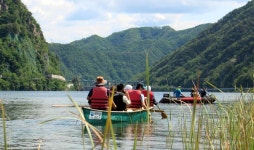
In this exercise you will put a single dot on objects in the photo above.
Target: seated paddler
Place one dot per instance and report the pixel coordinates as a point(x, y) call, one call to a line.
point(98, 95)
point(121, 99)
point(151, 96)
point(136, 96)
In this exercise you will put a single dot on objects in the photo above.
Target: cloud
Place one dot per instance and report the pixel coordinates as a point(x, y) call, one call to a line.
point(64, 21)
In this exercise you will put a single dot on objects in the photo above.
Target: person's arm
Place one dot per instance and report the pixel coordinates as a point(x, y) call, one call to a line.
point(155, 102)
point(126, 100)
point(126, 93)
point(113, 105)
point(108, 92)
point(206, 93)
point(90, 94)
point(143, 101)
point(174, 93)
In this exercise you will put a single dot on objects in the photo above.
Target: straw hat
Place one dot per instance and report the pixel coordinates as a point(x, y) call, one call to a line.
point(100, 81)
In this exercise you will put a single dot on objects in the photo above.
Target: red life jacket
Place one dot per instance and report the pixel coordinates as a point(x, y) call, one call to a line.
point(151, 96)
point(99, 98)
point(135, 96)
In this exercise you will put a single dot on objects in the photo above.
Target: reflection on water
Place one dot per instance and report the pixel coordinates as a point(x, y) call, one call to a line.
point(126, 134)
point(25, 111)
point(28, 109)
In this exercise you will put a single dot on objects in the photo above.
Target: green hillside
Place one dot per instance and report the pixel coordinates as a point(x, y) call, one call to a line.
point(120, 56)
point(222, 55)
point(25, 62)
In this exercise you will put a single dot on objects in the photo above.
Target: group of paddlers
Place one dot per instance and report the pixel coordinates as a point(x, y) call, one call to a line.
point(194, 92)
point(123, 96)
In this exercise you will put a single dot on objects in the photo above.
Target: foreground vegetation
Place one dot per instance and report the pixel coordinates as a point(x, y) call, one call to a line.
point(219, 127)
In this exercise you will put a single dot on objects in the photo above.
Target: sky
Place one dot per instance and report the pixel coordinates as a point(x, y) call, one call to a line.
point(64, 21)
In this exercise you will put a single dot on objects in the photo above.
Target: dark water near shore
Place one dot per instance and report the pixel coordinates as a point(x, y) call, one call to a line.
point(25, 111)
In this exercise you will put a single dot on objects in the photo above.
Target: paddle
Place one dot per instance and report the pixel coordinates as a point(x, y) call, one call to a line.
point(68, 105)
point(163, 114)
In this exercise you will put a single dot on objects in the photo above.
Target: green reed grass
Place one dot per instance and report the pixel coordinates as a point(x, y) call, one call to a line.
point(80, 117)
point(218, 126)
point(108, 132)
point(4, 124)
point(147, 80)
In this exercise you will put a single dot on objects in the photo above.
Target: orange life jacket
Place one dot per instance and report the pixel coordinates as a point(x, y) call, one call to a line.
point(135, 96)
point(99, 98)
point(151, 96)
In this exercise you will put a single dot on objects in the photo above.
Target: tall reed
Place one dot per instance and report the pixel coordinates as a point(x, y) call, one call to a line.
point(148, 91)
point(4, 124)
point(108, 132)
point(219, 126)
point(80, 117)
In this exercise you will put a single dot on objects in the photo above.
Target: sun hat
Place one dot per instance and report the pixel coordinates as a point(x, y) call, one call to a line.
point(128, 87)
point(147, 88)
point(100, 81)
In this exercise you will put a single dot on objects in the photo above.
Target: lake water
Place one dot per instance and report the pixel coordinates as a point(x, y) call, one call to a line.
point(26, 110)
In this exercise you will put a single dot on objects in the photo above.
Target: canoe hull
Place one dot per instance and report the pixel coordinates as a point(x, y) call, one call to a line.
point(95, 116)
point(206, 100)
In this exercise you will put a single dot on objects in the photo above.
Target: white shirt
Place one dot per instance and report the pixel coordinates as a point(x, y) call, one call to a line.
point(126, 100)
point(142, 98)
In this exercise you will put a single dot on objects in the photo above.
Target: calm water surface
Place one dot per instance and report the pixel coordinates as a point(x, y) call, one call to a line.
point(26, 110)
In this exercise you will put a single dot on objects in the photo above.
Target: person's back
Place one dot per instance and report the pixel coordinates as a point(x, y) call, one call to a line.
point(98, 95)
point(203, 92)
point(151, 96)
point(99, 98)
point(135, 96)
point(178, 92)
point(120, 99)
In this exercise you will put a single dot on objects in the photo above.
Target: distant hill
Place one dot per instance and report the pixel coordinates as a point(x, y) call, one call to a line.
point(222, 55)
point(121, 55)
point(25, 62)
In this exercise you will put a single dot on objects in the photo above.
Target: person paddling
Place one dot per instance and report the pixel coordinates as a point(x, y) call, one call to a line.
point(203, 92)
point(98, 95)
point(178, 92)
point(121, 98)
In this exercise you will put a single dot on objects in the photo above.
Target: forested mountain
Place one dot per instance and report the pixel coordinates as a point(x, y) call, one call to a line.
point(121, 55)
point(222, 55)
point(25, 61)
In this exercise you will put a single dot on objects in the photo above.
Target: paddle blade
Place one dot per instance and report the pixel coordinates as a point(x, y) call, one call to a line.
point(164, 115)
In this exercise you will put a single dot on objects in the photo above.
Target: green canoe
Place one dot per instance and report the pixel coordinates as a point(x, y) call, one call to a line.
point(95, 116)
